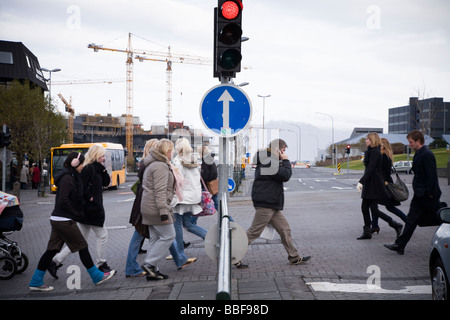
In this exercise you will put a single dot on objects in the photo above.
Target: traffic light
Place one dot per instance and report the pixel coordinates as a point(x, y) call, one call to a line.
point(348, 149)
point(5, 139)
point(227, 38)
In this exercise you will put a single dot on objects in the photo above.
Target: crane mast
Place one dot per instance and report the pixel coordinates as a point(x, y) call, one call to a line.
point(71, 112)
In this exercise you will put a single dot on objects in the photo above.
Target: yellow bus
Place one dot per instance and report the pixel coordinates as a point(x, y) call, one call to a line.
point(114, 160)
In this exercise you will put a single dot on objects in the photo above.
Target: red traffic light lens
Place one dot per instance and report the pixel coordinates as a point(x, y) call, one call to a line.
point(230, 10)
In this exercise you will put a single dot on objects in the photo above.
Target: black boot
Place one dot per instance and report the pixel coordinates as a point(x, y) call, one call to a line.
point(366, 234)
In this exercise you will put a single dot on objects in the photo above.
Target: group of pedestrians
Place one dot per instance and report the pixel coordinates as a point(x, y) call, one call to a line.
point(426, 199)
point(168, 203)
point(169, 193)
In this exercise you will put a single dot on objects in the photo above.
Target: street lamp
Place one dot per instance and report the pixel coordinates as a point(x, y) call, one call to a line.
point(333, 153)
point(299, 150)
point(50, 79)
point(264, 108)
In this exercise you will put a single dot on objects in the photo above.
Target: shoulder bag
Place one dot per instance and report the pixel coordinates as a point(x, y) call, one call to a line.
point(207, 203)
point(398, 189)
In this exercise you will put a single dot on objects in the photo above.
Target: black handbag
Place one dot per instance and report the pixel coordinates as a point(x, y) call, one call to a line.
point(398, 189)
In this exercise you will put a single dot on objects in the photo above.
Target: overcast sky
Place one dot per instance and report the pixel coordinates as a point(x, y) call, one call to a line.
point(351, 59)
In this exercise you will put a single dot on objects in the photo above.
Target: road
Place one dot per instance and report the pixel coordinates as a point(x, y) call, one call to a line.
point(324, 213)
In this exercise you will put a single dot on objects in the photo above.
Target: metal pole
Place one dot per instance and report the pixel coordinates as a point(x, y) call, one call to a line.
point(224, 263)
point(224, 269)
point(4, 164)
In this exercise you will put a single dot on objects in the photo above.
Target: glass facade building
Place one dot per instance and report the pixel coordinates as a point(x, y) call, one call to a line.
point(431, 116)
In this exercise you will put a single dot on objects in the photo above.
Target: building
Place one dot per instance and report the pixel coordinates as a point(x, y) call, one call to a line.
point(107, 128)
point(431, 116)
point(19, 63)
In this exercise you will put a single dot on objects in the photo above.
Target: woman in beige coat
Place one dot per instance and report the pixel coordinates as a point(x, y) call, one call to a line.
point(158, 185)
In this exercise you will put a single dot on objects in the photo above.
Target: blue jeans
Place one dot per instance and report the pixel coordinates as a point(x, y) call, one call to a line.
point(133, 268)
point(184, 220)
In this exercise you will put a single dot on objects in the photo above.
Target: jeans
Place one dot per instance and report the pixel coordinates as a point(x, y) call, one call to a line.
point(399, 213)
point(133, 268)
point(184, 220)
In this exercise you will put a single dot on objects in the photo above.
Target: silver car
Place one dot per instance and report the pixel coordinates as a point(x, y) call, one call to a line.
point(402, 166)
point(439, 262)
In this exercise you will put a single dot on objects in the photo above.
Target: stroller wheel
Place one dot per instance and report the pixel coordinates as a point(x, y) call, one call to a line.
point(8, 268)
point(21, 261)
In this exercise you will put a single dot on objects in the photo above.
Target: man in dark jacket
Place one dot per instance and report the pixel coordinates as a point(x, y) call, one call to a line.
point(427, 193)
point(272, 170)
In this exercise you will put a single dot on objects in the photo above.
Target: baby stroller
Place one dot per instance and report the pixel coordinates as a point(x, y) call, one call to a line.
point(12, 259)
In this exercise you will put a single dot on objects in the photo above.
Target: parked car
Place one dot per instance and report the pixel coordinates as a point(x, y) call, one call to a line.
point(402, 166)
point(439, 261)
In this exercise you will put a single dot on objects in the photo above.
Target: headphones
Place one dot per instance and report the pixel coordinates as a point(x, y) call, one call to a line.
point(76, 161)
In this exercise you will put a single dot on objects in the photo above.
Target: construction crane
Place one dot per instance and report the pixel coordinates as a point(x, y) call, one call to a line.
point(169, 59)
point(129, 92)
point(85, 81)
point(71, 112)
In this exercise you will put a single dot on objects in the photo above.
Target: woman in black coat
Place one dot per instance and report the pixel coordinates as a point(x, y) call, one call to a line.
point(372, 187)
point(386, 167)
point(94, 177)
point(68, 209)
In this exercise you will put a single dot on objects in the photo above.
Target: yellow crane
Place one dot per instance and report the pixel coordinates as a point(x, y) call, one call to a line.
point(129, 91)
point(167, 57)
point(71, 112)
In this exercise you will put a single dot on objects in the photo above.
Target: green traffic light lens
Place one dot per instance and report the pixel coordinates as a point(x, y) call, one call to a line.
point(230, 59)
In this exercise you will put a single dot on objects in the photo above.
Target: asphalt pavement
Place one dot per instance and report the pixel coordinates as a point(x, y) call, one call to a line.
point(324, 223)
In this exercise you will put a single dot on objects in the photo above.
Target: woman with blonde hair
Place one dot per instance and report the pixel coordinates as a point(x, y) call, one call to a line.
point(158, 183)
point(132, 268)
point(391, 205)
point(191, 192)
point(371, 185)
point(95, 178)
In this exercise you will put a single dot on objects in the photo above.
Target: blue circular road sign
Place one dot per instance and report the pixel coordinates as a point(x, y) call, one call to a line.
point(226, 110)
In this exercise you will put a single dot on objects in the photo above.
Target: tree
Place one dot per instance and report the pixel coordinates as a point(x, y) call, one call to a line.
point(35, 124)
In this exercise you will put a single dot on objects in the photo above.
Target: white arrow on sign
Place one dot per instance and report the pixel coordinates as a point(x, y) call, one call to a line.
point(226, 98)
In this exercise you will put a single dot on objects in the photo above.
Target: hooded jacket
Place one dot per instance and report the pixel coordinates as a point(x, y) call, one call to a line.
point(270, 174)
point(69, 195)
point(158, 186)
point(191, 190)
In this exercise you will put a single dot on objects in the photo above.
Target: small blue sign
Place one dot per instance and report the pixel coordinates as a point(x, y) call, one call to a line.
point(226, 110)
point(231, 184)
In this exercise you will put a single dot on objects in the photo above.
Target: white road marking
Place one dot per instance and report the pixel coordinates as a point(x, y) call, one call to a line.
point(364, 288)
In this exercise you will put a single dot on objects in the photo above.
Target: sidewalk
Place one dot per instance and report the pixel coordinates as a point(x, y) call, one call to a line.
point(319, 230)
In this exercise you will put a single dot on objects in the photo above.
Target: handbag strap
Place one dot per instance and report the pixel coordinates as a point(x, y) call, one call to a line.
point(206, 188)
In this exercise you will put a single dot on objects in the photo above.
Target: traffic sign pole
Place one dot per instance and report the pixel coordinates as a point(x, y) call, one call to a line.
point(223, 161)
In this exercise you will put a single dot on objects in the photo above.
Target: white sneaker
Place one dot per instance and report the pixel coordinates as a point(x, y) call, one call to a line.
point(42, 288)
point(106, 276)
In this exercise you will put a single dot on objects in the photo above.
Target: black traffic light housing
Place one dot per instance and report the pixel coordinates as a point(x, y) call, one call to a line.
point(348, 149)
point(5, 138)
point(227, 38)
